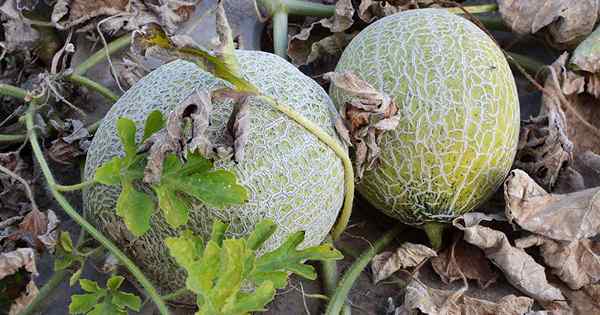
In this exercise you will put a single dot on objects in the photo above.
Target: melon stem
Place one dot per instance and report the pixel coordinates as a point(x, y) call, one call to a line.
point(85, 225)
point(435, 233)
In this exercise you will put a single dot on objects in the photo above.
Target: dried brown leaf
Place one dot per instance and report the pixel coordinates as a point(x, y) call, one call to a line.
point(576, 263)
point(239, 127)
point(172, 13)
point(585, 301)
point(406, 256)
point(588, 164)
point(27, 296)
point(80, 11)
point(369, 10)
point(463, 260)
point(564, 89)
point(441, 302)
point(567, 21)
point(176, 138)
point(520, 269)
point(20, 258)
point(367, 113)
point(567, 217)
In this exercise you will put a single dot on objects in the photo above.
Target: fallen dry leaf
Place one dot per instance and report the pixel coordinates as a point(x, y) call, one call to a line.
point(573, 93)
point(80, 11)
point(585, 301)
point(588, 164)
point(238, 126)
point(367, 114)
point(520, 269)
point(463, 260)
point(20, 258)
point(196, 108)
point(406, 256)
point(587, 54)
point(369, 10)
point(567, 217)
point(576, 263)
point(324, 37)
point(171, 13)
point(567, 21)
point(27, 296)
point(441, 302)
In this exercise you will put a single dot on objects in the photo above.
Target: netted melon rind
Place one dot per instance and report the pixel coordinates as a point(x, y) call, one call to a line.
point(459, 111)
point(292, 177)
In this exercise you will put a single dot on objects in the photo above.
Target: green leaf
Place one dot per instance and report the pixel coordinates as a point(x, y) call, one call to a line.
point(107, 308)
point(154, 123)
point(75, 277)
point(109, 173)
point(215, 188)
point(218, 273)
point(114, 282)
point(135, 208)
point(83, 303)
point(129, 300)
point(186, 248)
point(89, 286)
point(252, 302)
point(288, 258)
point(126, 131)
point(65, 241)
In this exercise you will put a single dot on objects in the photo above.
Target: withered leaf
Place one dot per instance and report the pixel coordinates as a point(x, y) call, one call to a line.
point(185, 131)
point(544, 148)
point(26, 297)
point(406, 256)
point(584, 301)
point(34, 223)
point(433, 301)
point(565, 217)
point(576, 263)
point(172, 13)
point(568, 21)
point(80, 11)
point(565, 89)
point(520, 269)
point(367, 113)
point(463, 260)
point(369, 10)
point(20, 258)
point(238, 126)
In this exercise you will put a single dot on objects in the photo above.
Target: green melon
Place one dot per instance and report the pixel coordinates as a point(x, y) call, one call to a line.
point(459, 114)
point(292, 177)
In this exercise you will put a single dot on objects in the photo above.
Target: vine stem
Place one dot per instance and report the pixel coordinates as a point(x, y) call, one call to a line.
point(91, 84)
point(339, 297)
point(473, 9)
point(98, 56)
point(12, 138)
point(130, 265)
point(344, 217)
point(54, 281)
point(73, 187)
point(10, 90)
point(280, 33)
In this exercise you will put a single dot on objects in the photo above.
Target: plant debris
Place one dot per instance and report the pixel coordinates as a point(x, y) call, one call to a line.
point(366, 116)
point(434, 301)
point(408, 255)
point(463, 260)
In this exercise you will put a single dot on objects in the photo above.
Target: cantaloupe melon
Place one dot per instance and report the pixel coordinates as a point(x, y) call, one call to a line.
point(292, 177)
point(458, 107)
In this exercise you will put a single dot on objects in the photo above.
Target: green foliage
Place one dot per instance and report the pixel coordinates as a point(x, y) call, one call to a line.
point(67, 256)
point(179, 184)
point(223, 271)
point(103, 301)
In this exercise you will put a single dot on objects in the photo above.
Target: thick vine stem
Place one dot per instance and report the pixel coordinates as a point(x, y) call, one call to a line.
point(7, 139)
point(339, 297)
point(54, 281)
point(435, 233)
point(10, 90)
point(91, 84)
point(74, 187)
point(296, 7)
point(280, 33)
point(62, 201)
point(101, 54)
point(344, 216)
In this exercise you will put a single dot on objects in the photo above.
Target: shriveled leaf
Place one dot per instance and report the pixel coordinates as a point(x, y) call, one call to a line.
point(316, 42)
point(239, 127)
point(367, 113)
point(79, 11)
point(577, 263)
point(20, 258)
point(568, 21)
point(369, 10)
point(171, 14)
point(587, 54)
point(135, 208)
point(463, 260)
point(567, 217)
point(406, 256)
point(26, 297)
point(584, 301)
point(38, 229)
point(433, 301)
point(520, 269)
